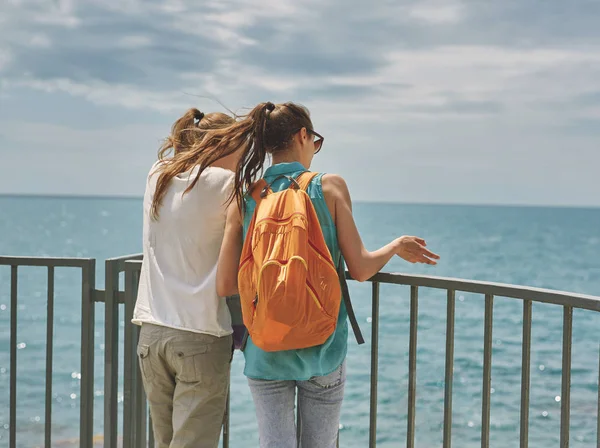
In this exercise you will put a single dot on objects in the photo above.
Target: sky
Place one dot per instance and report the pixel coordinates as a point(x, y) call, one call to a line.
point(435, 101)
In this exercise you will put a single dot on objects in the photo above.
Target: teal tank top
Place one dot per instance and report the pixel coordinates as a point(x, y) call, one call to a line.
point(302, 364)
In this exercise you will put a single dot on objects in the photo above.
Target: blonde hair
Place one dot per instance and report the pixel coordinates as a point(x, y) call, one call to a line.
point(186, 133)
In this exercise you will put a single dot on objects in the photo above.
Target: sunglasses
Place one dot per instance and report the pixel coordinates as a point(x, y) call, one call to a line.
point(318, 140)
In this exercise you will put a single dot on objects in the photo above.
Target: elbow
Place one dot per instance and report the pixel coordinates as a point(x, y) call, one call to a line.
point(358, 275)
point(226, 288)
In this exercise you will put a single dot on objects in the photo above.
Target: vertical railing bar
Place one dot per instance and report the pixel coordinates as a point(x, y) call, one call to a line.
point(139, 398)
point(598, 409)
point(88, 307)
point(12, 438)
point(487, 371)
point(139, 408)
point(525, 374)
point(226, 421)
point(143, 431)
point(449, 372)
point(565, 399)
point(151, 430)
point(374, 364)
point(412, 366)
point(129, 363)
point(111, 354)
point(298, 422)
point(49, 356)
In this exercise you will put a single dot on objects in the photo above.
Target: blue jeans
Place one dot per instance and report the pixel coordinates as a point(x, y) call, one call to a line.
point(319, 408)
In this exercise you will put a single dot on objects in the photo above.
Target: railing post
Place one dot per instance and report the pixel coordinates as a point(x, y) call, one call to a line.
point(449, 373)
point(12, 437)
point(87, 354)
point(226, 420)
point(49, 356)
point(487, 371)
point(525, 373)
point(130, 365)
point(374, 365)
point(111, 354)
point(598, 408)
point(412, 366)
point(565, 399)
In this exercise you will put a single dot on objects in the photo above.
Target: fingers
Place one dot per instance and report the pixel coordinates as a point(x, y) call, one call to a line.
point(421, 259)
point(415, 252)
point(427, 257)
point(430, 254)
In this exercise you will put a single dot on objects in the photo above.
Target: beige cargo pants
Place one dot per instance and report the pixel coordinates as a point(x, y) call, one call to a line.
point(186, 380)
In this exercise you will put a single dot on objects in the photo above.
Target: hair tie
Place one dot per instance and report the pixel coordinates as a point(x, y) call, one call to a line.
point(198, 115)
point(270, 106)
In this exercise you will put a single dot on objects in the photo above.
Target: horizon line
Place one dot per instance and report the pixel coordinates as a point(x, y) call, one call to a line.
point(384, 202)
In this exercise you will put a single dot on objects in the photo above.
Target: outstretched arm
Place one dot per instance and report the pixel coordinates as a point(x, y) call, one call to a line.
point(363, 264)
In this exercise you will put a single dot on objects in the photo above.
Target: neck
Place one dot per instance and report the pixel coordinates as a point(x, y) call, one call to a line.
point(287, 157)
point(228, 163)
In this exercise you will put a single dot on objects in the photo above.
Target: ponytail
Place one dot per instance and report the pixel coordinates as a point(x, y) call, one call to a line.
point(265, 129)
point(186, 132)
point(182, 133)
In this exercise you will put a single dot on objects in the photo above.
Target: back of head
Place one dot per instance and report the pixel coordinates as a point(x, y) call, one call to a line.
point(186, 134)
point(188, 130)
point(266, 129)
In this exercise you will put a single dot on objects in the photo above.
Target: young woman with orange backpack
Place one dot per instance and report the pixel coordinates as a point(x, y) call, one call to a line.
point(286, 238)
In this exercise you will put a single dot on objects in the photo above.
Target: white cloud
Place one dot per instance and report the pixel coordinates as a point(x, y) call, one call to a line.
point(459, 81)
point(134, 42)
point(442, 84)
point(40, 41)
point(103, 93)
point(5, 58)
point(437, 12)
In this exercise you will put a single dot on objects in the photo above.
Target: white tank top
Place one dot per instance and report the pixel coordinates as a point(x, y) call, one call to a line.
point(177, 286)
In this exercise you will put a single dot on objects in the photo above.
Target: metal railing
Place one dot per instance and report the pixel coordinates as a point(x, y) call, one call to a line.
point(113, 298)
point(567, 300)
point(88, 296)
point(136, 422)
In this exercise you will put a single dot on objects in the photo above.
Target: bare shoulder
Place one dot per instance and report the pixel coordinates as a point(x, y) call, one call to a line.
point(234, 214)
point(334, 185)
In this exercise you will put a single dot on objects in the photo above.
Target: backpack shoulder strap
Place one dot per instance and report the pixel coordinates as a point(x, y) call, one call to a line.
point(305, 178)
point(256, 189)
point(346, 297)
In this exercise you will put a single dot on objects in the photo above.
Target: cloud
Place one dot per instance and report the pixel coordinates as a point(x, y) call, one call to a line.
point(5, 58)
point(436, 12)
point(146, 54)
point(403, 78)
point(134, 42)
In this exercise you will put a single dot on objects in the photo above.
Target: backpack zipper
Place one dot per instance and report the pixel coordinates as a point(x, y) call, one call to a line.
point(255, 303)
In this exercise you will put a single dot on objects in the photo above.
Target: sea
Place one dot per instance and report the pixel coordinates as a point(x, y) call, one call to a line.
point(556, 248)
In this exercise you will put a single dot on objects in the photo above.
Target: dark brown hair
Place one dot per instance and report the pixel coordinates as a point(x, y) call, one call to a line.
point(266, 129)
point(186, 132)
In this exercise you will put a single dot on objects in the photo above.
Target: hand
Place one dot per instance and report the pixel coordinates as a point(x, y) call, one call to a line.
point(413, 250)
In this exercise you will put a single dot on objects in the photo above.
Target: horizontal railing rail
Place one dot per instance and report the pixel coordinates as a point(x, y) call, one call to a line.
point(583, 301)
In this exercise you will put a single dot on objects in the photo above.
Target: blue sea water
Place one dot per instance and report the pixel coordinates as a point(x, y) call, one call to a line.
point(545, 247)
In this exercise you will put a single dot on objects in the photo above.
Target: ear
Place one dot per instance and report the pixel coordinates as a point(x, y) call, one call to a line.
point(303, 135)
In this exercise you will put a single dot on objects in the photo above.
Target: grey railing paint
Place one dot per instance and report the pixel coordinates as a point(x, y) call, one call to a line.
point(112, 299)
point(137, 422)
point(88, 283)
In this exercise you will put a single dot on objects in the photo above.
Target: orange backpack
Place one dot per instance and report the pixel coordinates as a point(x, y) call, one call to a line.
point(289, 286)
